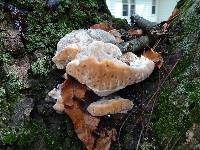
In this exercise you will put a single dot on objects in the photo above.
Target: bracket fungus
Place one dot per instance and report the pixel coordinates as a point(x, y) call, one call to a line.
point(56, 94)
point(91, 57)
point(100, 68)
point(70, 45)
point(110, 106)
point(70, 96)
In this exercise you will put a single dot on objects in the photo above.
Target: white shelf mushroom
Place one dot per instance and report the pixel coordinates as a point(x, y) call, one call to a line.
point(99, 67)
point(71, 44)
point(110, 106)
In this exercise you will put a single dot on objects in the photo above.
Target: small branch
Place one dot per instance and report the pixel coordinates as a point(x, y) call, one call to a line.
point(134, 45)
point(140, 137)
point(162, 83)
point(133, 111)
point(142, 23)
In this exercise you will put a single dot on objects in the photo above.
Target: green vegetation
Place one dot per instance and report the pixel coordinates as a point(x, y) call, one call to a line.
point(10, 86)
point(29, 134)
point(179, 107)
point(41, 67)
point(45, 26)
point(119, 23)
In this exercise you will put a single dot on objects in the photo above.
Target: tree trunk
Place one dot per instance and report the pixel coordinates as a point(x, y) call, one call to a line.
point(27, 119)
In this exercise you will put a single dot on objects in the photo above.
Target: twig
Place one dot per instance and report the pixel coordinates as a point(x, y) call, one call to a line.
point(156, 44)
point(168, 144)
point(162, 83)
point(154, 102)
point(139, 140)
point(124, 124)
point(175, 142)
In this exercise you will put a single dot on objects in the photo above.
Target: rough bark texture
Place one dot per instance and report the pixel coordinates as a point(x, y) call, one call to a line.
point(135, 45)
point(178, 105)
point(142, 23)
point(28, 41)
point(29, 32)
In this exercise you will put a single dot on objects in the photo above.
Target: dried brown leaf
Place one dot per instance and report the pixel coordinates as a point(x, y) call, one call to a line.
point(135, 33)
point(117, 35)
point(67, 92)
point(102, 26)
point(155, 57)
point(72, 89)
point(175, 13)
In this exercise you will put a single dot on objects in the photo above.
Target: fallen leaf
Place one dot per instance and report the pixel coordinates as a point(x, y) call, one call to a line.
point(174, 14)
point(67, 92)
point(105, 139)
point(135, 33)
point(84, 124)
point(154, 56)
point(117, 35)
point(102, 26)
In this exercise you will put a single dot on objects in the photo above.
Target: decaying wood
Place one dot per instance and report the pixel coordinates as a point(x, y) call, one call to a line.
point(135, 44)
point(142, 23)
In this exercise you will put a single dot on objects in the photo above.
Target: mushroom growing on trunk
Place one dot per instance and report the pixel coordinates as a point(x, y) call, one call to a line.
point(99, 67)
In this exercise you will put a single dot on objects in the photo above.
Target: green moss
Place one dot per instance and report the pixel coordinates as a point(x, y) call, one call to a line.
point(9, 93)
point(5, 58)
point(8, 136)
point(178, 108)
point(13, 86)
point(179, 104)
point(41, 67)
point(31, 133)
point(44, 29)
point(119, 23)
point(146, 145)
point(46, 26)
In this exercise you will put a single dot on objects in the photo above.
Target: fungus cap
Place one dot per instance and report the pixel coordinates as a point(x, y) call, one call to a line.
point(105, 73)
point(71, 44)
point(56, 94)
point(113, 106)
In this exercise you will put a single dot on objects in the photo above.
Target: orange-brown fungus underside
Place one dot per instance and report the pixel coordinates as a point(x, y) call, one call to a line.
point(84, 124)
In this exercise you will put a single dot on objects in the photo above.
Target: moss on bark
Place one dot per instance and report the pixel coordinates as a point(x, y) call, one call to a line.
point(179, 102)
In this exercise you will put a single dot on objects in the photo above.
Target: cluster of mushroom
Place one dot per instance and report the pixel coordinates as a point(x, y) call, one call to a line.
point(91, 57)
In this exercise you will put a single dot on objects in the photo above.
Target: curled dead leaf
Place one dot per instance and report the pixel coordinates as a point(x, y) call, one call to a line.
point(102, 26)
point(175, 13)
point(117, 35)
point(154, 56)
point(71, 89)
point(135, 33)
point(67, 92)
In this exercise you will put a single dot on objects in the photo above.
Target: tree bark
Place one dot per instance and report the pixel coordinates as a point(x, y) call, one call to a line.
point(142, 23)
